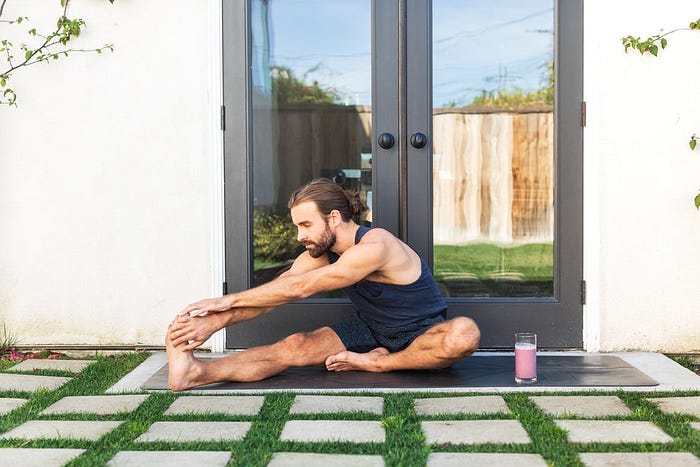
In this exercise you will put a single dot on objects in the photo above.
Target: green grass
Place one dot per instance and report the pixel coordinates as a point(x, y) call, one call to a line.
point(405, 444)
point(535, 261)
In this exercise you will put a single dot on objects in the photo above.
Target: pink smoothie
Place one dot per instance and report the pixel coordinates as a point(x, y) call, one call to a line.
point(526, 362)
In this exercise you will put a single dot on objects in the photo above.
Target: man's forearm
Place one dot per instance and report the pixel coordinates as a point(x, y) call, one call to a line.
point(277, 292)
point(239, 315)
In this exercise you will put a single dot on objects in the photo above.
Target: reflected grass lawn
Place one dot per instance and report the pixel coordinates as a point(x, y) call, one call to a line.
point(530, 262)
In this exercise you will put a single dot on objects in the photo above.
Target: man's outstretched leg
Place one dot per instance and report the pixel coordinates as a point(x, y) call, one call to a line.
point(186, 371)
point(439, 347)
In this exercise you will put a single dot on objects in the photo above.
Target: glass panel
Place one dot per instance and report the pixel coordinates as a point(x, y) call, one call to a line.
point(311, 74)
point(493, 144)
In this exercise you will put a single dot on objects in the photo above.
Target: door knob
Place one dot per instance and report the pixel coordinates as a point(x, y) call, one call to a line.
point(385, 140)
point(419, 140)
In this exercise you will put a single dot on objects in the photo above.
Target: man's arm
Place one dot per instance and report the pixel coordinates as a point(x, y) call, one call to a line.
point(354, 264)
point(302, 281)
point(304, 262)
point(199, 320)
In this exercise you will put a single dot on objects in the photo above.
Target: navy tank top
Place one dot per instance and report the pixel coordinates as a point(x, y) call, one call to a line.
point(392, 304)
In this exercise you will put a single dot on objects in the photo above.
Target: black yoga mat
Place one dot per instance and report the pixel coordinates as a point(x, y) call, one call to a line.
point(477, 371)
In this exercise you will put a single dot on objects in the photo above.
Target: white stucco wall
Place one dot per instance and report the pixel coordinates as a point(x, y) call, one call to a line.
point(106, 212)
point(642, 231)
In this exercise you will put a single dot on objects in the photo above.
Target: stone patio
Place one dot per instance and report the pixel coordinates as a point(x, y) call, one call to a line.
point(583, 406)
point(61, 429)
point(474, 432)
point(98, 405)
point(440, 424)
point(227, 405)
point(182, 432)
point(680, 405)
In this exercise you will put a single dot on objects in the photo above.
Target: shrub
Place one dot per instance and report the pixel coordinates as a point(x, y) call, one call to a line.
point(274, 237)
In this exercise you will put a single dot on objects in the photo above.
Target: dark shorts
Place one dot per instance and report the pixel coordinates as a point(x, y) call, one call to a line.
point(363, 334)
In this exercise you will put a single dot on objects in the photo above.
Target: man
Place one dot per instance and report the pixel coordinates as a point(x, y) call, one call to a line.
point(399, 321)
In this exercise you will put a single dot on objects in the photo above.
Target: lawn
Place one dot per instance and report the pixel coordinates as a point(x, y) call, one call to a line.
point(405, 444)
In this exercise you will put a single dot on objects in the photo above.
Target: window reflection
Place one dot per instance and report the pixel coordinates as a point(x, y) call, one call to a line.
point(493, 147)
point(311, 73)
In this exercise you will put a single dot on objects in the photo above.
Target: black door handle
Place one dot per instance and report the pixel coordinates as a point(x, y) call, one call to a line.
point(419, 140)
point(386, 141)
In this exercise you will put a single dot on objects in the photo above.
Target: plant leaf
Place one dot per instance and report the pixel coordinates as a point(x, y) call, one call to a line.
point(664, 43)
point(697, 201)
point(693, 142)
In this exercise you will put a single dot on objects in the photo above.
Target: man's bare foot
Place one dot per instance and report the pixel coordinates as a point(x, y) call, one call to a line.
point(348, 361)
point(183, 368)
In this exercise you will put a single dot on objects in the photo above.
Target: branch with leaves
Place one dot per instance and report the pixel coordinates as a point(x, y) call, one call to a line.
point(46, 47)
point(651, 45)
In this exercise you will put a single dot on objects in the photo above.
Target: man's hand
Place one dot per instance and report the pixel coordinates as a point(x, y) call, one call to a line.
point(192, 332)
point(207, 306)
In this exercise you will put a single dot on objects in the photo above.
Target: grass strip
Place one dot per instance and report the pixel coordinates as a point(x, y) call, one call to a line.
point(405, 442)
point(547, 438)
point(263, 437)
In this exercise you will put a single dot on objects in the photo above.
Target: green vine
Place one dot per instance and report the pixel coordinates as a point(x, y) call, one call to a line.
point(45, 47)
point(651, 45)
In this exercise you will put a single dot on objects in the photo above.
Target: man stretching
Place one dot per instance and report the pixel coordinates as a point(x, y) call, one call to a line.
point(399, 321)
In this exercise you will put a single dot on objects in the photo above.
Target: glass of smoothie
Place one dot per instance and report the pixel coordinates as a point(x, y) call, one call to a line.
point(525, 358)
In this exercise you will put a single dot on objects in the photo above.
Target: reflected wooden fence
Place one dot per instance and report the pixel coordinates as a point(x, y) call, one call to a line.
point(493, 176)
point(493, 172)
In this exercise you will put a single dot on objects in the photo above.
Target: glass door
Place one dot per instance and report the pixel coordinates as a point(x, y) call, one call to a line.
point(505, 153)
point(299, 74)
point(447, 116)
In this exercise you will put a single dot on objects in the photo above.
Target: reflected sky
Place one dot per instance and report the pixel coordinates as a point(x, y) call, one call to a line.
point(478, 45)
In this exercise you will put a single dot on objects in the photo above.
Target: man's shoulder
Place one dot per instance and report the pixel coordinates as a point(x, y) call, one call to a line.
point(376, 234)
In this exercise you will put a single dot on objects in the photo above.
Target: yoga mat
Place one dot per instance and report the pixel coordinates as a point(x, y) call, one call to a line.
point(477, 371)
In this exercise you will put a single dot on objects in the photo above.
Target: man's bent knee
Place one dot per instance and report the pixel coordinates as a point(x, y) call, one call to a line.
point(310, 348)
point(296, 345)
point(462, 337)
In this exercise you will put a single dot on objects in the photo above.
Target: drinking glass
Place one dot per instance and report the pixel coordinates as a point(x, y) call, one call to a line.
point(525, 358)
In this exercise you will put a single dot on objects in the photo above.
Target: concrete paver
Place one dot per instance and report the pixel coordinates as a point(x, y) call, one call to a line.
point(8, 404)
point(474, 432)
point(295, 459)
point(460, 405)
point(333, 430)
point(227, 405)
point(681, 405)
point(337, 404)
point(36, 457)
point(99, 405)
point(74, 366)
point(170, 459)
point(30, 383)
point(646, 459)
point(61, 429)
point(584, 406)
point(460, 459)
point(182, 432)
point(604, 431)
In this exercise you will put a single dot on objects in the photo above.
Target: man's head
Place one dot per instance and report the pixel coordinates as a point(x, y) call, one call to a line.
point(317, 209)
point(328, 197)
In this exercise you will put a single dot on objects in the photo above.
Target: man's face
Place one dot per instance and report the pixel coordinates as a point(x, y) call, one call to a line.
point(314, 232)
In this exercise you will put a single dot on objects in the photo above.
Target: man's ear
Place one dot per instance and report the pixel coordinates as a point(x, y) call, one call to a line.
point(336, 216)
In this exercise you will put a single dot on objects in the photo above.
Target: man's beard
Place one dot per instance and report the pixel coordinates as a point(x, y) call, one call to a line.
point(323, 245)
